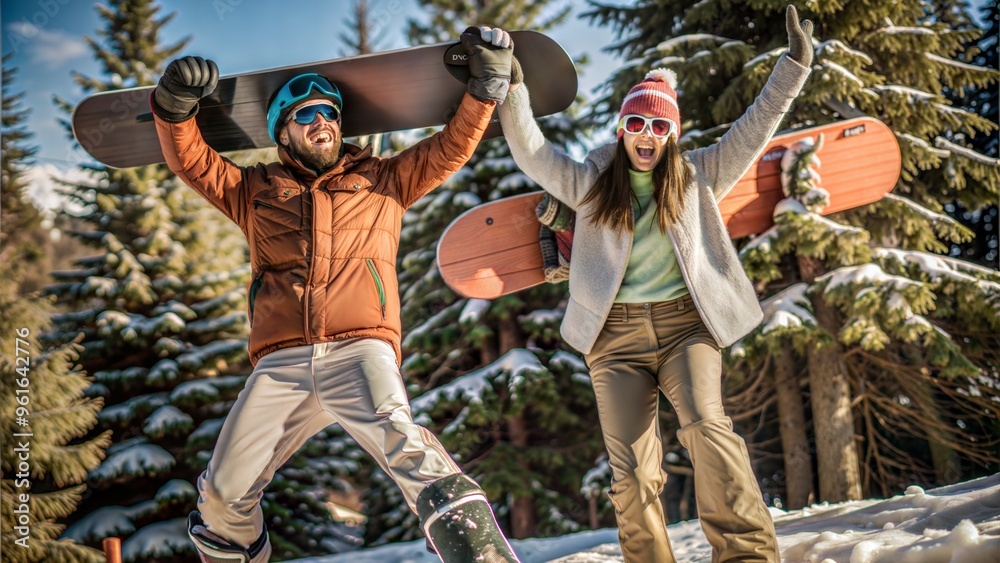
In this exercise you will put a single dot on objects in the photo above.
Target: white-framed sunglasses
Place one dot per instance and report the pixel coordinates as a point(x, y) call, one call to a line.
point(659, 127)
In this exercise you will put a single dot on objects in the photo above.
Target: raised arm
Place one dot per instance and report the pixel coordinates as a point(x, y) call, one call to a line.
point(424, 166)
point(175, 103)
point(566, 179)
point(724, 163)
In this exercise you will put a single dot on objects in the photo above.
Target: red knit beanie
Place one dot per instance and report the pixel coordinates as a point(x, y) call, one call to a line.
point(655, 96)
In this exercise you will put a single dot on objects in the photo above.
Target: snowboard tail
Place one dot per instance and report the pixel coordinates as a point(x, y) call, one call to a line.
point(493, 249)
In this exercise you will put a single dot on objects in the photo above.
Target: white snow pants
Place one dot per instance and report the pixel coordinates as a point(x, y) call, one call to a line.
point(291, 395)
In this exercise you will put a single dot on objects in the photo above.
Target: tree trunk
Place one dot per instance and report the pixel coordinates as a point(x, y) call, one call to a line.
point(595, 521)
point(830, 393)
point(523, 512)
point(946, 464)
point(510, 336)
point(794, 440)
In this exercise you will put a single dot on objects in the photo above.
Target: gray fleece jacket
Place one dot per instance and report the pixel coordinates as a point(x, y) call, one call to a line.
point(719, 287)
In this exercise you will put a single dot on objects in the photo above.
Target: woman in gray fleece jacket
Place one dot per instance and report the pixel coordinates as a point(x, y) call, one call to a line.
point(656, 290)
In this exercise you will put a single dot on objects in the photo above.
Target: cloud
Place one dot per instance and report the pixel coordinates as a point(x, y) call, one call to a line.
point(49, 47)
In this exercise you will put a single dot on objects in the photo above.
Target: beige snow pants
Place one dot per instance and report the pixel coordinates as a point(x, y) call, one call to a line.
point(292, 394)
point(645, 349)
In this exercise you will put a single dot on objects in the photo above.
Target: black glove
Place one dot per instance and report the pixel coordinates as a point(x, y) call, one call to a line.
point(800, 47)
point(185, 81)
point(490, 53)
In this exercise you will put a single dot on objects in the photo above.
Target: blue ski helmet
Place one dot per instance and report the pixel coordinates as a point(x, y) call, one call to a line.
point(302, 87)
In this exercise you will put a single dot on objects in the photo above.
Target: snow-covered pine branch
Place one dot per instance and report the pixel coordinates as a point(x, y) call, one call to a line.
point(931, 216)
point(789, 308)
point(835, 46)
point(965, 152)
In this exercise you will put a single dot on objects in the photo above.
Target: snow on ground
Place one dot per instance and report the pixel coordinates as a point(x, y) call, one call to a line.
point(954, 524)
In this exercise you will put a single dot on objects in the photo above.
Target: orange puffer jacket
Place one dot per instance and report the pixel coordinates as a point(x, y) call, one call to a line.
point(323, 250)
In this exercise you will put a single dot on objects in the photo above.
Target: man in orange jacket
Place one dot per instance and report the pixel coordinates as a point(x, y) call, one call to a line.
point(323, 227)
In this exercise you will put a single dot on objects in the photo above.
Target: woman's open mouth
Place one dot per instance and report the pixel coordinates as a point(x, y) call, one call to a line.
point(645, 152)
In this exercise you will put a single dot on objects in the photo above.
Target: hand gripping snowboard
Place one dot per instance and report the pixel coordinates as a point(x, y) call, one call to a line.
point(493, 250)
point(391, 91)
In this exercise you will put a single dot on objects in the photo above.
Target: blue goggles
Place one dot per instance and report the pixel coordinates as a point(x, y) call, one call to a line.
point(296, 90)
point(306, 115)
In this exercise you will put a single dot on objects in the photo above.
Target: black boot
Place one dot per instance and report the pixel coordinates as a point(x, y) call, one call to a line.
point(213, 549)
point(458, 521)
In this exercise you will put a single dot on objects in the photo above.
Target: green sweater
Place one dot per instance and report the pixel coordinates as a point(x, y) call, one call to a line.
point(652, 273)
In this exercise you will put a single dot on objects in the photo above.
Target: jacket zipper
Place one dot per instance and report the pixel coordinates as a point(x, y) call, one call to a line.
point(378, 285)
point(306, 298)
point(258, 203)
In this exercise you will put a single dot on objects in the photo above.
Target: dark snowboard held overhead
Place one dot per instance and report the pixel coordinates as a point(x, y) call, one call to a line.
point(382, 92)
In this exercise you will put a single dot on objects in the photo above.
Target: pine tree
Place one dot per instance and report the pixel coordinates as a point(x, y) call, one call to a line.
point(44, 461)
point(17, 214)
point(158, 311)
point(524, 417)
point(881, 331)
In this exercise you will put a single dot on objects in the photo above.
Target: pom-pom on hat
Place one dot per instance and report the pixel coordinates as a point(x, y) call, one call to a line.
point(656, 95)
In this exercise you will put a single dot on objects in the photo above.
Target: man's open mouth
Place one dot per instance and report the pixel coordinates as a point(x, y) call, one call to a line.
point(321, 138)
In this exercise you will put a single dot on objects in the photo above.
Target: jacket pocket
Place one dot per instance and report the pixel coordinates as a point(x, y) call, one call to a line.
point(252, 295)
point(277, 211)
point(378, 285)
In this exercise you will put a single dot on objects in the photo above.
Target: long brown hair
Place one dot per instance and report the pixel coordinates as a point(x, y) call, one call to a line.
point(612, 193)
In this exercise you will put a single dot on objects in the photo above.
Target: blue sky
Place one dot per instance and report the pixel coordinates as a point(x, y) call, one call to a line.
point(47, 37)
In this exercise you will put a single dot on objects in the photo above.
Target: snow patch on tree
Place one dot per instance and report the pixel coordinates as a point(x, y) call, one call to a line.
point(161, 539)
point(543, 317)
point(165, 419)
point(200, 356)
point(176, 490)
point(965, 152)
point(205, 388)
point(564, 360)
point(835, 46)
point(473, 311)
point(133, 459)
point(514, 181)
point(792, 205)
point(913, 95)
point(930, 216)
point(922, 144)
point(762, 241)
point(471, 386)
point(767, 55)
point(841, 71)
point(867, 274)
point(105, 522)
point(209, 429)
point(693, 38)
point(466, 200)
point(788, 308)
point(126, 410)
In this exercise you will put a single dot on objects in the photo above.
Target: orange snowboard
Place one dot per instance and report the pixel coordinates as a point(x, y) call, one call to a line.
point(492, 249)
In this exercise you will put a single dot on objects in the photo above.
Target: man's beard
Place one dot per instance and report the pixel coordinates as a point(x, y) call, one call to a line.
point(317, 159)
